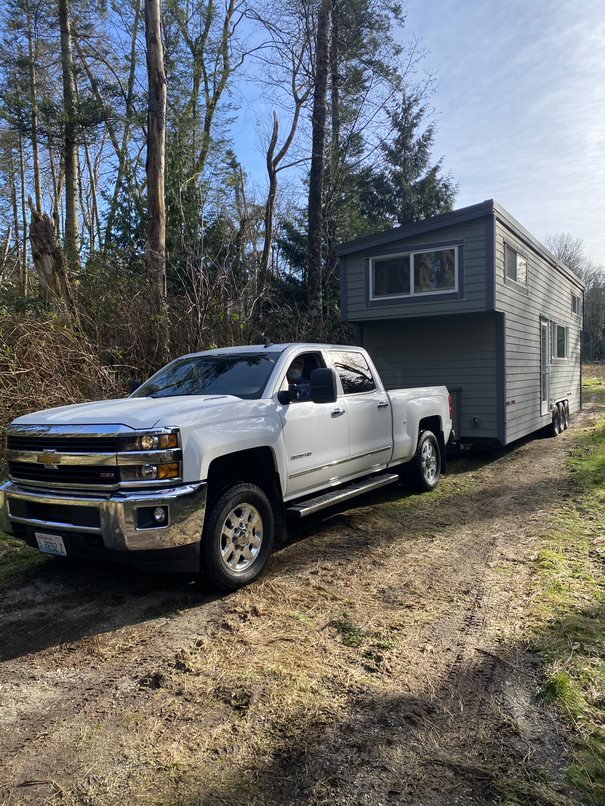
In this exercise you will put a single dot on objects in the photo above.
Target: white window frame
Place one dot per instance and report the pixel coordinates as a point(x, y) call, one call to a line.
point(555, 341)
point(578, 300)
point(507, 278)
point(413, 293)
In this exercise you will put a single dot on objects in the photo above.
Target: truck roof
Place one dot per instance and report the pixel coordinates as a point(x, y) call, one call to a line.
point(274, 348)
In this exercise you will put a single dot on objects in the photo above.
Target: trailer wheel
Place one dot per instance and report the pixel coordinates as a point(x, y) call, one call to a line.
point(238, 536)
point(555, 428)
point(562, 425)
point(566, 417)
point(426, 464)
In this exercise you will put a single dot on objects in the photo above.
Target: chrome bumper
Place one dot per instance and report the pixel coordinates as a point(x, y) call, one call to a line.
point(117, 515)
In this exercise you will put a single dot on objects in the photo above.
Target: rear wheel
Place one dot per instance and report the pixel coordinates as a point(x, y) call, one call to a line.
point(238, 536)
point(426, 465)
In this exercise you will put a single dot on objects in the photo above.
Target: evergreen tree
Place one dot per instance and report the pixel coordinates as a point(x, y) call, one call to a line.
point(408, 186)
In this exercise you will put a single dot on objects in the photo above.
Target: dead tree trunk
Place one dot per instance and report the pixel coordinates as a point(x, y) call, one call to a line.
point(49, 261)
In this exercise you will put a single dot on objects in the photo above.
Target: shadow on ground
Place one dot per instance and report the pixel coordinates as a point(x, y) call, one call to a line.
point(62, 601)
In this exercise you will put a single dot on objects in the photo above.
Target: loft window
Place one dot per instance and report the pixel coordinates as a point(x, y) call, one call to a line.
point(411, 274)
point(560, 341)
point(515, 265)
point(576, 304)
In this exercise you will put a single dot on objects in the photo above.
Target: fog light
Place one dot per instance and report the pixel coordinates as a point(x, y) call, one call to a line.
point(149, 472)
point(159, 514)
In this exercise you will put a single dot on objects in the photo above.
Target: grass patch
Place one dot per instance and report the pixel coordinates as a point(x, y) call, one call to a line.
point(16, 558)
point(351, 634)
point(569, 609)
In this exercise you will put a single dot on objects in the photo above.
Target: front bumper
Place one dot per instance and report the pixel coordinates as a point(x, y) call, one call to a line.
point(109, 525)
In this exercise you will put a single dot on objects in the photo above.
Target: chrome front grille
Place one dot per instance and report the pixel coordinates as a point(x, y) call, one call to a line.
point(64, 444)
point(102, 458)
point(75, 475)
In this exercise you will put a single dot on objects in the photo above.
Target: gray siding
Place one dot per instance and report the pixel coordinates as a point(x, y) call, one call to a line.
point(547, 295)
point(458, 351)
point(483, 342)
point(476, 238)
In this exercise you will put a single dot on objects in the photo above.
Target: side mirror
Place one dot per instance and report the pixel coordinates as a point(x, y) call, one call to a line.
point(323, 386)
point(284, 397)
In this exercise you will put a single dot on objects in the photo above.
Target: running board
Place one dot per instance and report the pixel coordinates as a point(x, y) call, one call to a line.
point(337, 496)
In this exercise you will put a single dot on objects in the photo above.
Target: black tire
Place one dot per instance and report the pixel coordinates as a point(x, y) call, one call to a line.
point(238, 537)
point(555, 427)
point(426, 464)
point(562, 420)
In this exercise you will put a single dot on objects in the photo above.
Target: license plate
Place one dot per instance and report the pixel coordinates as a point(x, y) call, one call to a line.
point(51, 544)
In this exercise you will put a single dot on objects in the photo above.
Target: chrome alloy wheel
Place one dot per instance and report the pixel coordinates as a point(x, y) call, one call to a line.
point(241, 537)
point(428, 461)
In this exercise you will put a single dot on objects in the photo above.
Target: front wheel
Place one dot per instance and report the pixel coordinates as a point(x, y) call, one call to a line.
point(426, 465)
point(238, 536)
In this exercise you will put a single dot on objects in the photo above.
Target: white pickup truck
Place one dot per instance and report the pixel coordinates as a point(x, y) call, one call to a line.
point(201, 466)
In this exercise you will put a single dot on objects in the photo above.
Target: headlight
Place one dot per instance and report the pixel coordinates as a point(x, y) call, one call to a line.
point(151, 457)
point(153, 442)
point(147, 442)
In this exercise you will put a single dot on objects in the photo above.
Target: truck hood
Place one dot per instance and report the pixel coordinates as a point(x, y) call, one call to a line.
point(138, 412)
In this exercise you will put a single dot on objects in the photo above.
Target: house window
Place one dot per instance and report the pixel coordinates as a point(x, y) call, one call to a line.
point(560, 341)
point(354, 372)
point(515, 265)
point(433, 271)
point(576, 304)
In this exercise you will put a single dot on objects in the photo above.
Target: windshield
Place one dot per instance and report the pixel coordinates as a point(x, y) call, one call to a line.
point(244, 375)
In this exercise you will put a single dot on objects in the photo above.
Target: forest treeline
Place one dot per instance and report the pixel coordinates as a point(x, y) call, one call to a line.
point(132, 229)
point(150, 262)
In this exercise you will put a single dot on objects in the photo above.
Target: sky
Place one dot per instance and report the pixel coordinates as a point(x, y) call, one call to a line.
point(520, 107)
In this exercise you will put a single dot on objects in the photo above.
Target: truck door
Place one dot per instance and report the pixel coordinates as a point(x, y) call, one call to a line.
point(316, 438)
point(368, 410)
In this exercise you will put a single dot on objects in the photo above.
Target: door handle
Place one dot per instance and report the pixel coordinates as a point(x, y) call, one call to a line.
point(337, 412)
point(383, 404)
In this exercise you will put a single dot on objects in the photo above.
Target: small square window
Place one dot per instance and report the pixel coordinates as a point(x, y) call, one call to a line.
point(515, 265)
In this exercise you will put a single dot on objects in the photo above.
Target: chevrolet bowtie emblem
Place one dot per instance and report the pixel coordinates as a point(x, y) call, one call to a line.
point(50, 459)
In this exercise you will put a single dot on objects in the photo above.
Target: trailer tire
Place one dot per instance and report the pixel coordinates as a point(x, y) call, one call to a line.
point(238, 537)
point(566, 417)
point(425, 470)
point(555, 427)
point(562, 425)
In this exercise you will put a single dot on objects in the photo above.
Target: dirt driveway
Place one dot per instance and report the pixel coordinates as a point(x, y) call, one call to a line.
point(382, 659)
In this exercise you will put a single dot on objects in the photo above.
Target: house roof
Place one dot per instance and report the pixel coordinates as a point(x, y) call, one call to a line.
point(485, 208)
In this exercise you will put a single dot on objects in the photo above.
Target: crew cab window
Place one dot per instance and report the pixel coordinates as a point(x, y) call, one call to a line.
point(354, 372)
point(243, 375)
point(298, 375)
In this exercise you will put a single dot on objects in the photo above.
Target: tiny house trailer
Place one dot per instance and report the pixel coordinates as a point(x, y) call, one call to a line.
point(472, 300)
